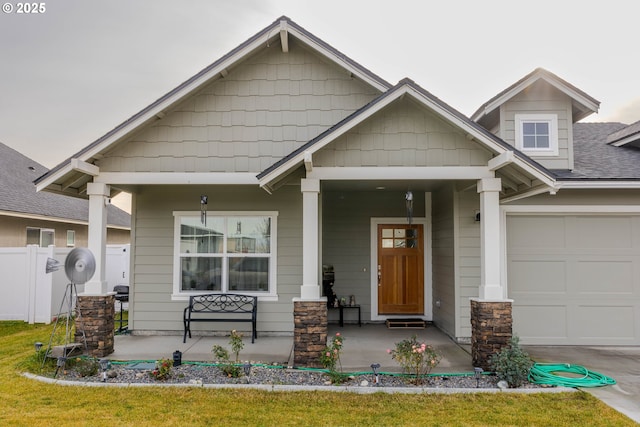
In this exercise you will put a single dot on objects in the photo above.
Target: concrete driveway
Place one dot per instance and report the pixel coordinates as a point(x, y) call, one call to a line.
point(620, 363)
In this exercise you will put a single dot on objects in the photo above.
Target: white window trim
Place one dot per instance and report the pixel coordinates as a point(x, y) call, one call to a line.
point(552, 119)
point(272, 295)
point(44, 230)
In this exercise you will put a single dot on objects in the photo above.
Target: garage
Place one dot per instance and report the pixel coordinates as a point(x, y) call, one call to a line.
point(574, 279)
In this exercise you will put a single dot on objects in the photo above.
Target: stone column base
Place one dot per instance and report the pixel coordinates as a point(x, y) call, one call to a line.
point(310, 332)
point(491, 329)
point(97, 313)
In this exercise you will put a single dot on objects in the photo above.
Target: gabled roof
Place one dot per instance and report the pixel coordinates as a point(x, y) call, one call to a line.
point(18, 195)
point(279, 30)
point(583, 104)
point(629, 135)
point(405, 87)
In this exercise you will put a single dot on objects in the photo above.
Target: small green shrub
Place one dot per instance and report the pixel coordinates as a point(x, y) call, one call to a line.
point(512, 363)
point(330, 358)
point(415, 358)
point(221, 355)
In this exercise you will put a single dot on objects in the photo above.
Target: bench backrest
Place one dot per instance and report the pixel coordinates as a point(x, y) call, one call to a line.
point(223, 303)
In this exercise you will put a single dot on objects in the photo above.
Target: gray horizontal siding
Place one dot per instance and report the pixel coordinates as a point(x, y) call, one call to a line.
point(467, 257)
point(443, 260)
point(346, 239)
point(541, 98)
point(152, 309)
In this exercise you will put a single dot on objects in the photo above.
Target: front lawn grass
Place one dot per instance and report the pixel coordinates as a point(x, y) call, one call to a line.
point(29, 402)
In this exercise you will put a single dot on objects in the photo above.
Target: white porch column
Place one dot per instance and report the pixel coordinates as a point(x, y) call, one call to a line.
point(490, 285)
point(98, 201)
point(310, 287)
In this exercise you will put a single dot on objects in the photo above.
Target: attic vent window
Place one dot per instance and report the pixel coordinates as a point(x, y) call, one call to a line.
point(537, 134)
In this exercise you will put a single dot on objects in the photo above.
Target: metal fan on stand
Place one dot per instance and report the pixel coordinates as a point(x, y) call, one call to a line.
point(79, 266)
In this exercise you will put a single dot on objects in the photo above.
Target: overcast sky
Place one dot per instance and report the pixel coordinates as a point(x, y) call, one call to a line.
point(72, 73)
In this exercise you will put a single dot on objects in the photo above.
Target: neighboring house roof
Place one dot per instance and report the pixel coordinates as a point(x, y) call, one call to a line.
point(280, 29)
point(594, 159)
point(583, 104)
point(18, 196)
point(629, 135)
point(410, 88)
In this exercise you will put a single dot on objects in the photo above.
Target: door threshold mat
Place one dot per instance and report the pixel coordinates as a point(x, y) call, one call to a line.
point(406, 323)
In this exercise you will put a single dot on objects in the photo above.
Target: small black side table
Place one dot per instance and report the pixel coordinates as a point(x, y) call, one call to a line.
point(345, 307)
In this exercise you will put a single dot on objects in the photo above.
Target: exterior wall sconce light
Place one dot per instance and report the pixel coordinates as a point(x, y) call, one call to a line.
point(203, 209)
point(476, 216)
point(374, 368)
point(408, 198)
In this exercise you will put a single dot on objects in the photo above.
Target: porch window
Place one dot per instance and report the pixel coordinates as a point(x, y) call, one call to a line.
point(537, 134)
point(232, 252)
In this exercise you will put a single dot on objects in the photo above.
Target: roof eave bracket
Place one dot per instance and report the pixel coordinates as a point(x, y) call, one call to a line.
point(501, 160)
point(84, 167)
point(284, 36)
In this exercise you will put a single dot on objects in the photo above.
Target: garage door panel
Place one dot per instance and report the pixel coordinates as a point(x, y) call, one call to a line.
point(604, 323)
point(550, 232)
point(574, 279)
point(604, 277)
point(540, 322)
point(535, 276)
point(599, 232)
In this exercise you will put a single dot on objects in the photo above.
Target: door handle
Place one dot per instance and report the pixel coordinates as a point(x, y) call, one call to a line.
point(379, 274)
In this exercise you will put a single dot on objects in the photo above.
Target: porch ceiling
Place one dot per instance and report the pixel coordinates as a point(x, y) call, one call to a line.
point(390, 185)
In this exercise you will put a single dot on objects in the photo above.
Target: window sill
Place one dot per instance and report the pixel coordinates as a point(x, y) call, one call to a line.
point(540, 153)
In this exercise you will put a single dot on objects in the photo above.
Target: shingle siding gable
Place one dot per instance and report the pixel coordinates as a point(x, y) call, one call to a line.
point(265, 108)
point(403, 135)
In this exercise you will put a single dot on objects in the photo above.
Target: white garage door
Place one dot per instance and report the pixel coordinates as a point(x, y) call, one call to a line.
point(574, 279)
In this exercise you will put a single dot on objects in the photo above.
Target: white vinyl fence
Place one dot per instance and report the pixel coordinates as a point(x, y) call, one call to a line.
point(28, 293)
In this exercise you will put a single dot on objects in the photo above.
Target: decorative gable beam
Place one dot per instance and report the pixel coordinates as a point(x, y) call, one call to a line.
point(284, 36)
point(501, 160)
point(84, 167)
point(308, 161)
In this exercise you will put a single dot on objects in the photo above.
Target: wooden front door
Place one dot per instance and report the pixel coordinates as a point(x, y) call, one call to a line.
point(400, 269)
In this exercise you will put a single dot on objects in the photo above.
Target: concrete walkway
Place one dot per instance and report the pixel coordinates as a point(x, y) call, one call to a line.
point(363, 346)
point(619, 363)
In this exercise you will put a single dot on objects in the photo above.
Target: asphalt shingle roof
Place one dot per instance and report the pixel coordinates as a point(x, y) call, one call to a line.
point(595, 159)
point(18, 193)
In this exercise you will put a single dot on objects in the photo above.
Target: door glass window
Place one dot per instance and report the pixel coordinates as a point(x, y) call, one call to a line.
point(402, 238)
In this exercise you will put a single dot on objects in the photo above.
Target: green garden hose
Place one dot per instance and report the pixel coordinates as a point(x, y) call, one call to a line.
point(546, 373)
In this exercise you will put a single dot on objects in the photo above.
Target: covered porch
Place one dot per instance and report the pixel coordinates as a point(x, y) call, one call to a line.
point(363, 346)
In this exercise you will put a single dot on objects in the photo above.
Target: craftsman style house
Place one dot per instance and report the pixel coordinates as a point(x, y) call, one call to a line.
point(285, 156)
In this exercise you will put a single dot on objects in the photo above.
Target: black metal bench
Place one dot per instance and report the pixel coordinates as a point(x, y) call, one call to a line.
point(207, 307)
